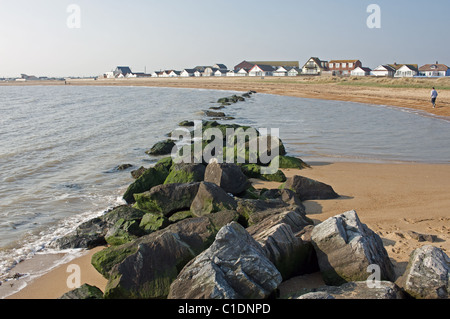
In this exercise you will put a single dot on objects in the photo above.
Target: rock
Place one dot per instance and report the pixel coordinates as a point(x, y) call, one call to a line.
point(291, 162)
point(186, 173)
point(286, 195)
point(152, 222)
point(254, 171)
point(186, 124)
point(210, 198)
point(234, 267)
point(214, 114)
point(123, 167)
point(138, 172)
point(150, 178)
point(346, 248)
point(178, 216)
point(119, 224)
point(309, 189)
point(162, 148)
point(227, 176)
point(356, 290)
point(167, 199)
point(422, 237)
point(286, 251)
point(427, 275)
point(84, 292)
point(146, 267)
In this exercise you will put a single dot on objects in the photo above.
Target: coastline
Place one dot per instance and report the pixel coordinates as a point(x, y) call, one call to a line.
point(390, 198)
point(405, 93)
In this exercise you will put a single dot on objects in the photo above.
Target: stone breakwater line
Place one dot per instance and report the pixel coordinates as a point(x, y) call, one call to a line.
point(202, 231)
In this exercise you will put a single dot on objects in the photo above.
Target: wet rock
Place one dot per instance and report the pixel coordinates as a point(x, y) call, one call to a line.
point(210, 198)
point(186, 173)
point(161, 148)
point(227, 176)
point(309, 189)
point(84, 292)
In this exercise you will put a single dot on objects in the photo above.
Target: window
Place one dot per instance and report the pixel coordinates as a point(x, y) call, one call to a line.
point(331, 65)
point(344, 65)
point(350, 65)
point(338, 65)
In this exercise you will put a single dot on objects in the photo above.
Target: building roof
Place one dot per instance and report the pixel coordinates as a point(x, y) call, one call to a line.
point(220, 66)
point(318, 61)
point(433, 67)
point(265, 67)
point(397, 66)
point(364, 68)
point(123, 70)
point(343, 61)
point(276, 63)
point(387, 67)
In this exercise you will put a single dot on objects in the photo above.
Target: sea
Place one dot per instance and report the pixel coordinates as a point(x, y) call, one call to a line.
point(61, 146)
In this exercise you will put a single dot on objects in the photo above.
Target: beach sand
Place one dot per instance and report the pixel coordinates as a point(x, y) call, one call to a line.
point(391, 199)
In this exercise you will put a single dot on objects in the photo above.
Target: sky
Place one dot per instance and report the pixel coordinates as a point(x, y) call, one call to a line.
point(44, 38)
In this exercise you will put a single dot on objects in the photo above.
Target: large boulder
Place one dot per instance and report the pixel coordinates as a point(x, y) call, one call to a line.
point(427, 275)
point(146, 267)
point(167, 199)
point(186, 173)
point(234, 267)
point(346, 248)
point(150, 178)
point(228, 176)
point(210, 198)
point(290, 162)
point(309, 189)
point(162, 148)
point(84, 292)
point(356, 290)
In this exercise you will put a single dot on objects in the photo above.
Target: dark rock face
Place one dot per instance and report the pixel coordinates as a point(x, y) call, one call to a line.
point(162, 148)
point(186, 173)
point(308, 189)
point(84, 292)
point(227, 176)
point(346, 248)
point(210, 198)
point(234, 267)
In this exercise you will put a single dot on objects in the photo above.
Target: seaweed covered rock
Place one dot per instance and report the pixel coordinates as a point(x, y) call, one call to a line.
point(84, 292)
point(290, 162)
point(254, 171)
point(162, 148)
point(234, 267)
point(346, 248)
point(146, 267)
point(427, 275)
point(167, 199)
point(186, 173)
point(150, 178)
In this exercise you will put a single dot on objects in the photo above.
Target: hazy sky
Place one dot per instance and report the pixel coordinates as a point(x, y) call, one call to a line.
point(176, 34)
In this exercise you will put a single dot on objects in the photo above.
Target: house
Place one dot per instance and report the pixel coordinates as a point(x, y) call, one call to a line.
point(231, 73)
point(281, 71)
point(242, 72)
point(314, 66)
point(122, 70)
point(220, 66)
point(187, 73)
point(361, 71)
point(197, 73)
point(275, 64)
point(221, 72)
point(385, 70)
point(209, 71)
point(174, 74)
point(434, 70)
point(407, 71)
point(343, 67)
point(294, 72)
point(261, 70)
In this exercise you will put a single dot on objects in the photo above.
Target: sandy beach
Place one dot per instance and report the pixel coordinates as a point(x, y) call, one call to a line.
point(391, 198)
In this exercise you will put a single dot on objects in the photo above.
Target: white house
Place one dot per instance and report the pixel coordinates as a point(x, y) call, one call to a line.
point(221, 72)
point(109, 75)
point(294, 72)
point(407, 71)
point(434, 70)
point(187, 73)
point(281, 71)
point(174, 74)
point(314, 66)
point(383, 70)
point(242, 72)
point(209, 71)
point(360, 71)
point(261, 70)
point(231, 73)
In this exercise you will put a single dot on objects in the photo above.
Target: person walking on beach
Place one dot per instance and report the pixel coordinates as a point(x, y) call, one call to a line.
point(434, 95)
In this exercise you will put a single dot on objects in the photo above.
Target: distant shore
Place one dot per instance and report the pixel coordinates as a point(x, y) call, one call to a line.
point(409, 93)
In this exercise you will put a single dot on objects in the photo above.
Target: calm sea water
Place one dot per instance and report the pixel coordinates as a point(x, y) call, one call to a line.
point(59, 146)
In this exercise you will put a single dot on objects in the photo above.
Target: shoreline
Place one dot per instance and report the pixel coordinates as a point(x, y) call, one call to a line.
point(359, 90)
point(357, 192)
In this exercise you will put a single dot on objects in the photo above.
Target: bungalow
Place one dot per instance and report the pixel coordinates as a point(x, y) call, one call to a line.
point(261, 70)
point(361, 71)
point(231, 73)
point(407, 70)
point(187, 73)
point(174, 74)
point(242, 72)
point(343, 67)
point(274, 64)
point(314, 66)
point(383, 70)
point(434, 70)
point(221, 72)
point(281, 71)
point(294, 72)
point(220, 66)
point(197, 73)
point(209, 71)
point(122, 70)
